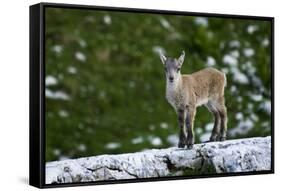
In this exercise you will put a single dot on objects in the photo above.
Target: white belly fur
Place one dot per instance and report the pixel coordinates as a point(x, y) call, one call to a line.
point(202, 102)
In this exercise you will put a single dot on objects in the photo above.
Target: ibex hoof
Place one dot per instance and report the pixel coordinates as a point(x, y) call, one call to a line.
point(181, 145)
point(190, 142)
point(222, 138)
point(211, 140)
point(214, 138)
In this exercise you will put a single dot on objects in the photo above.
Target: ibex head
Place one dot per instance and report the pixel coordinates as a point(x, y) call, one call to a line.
point(172, 67)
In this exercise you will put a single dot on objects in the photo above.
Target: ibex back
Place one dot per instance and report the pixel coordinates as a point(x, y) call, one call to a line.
point(186, 92)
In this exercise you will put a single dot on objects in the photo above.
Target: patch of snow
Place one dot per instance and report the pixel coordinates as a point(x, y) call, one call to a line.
point(80, 56)
point(230, 60)
point(50, 80)
point(165, 23)
point(265, 42)
point(82, 43)
point(248, 52)
point(112, 145)
point(266, 106)
point(249, 68)
point(235, 53)
point(265, 124)
point(137, 140)
point(56, 95)
point(57, 49)
point(250, 106)
point(256, 97)
point(71, 70)
point(238, 76)
point(257, 82)
point(254, 117)
point(239, 116)
point(173, 139)
point(252, 28)
point(198, 130)
point(234, 44)
point(225, 70)
point(201, 21)
point(63, 113)
point(57, 152)
point(64, 157)
point(209, 127)
point(233, 89)
point(205, 137)
point(211, 61)
point(155, 141)
point(164, 125)
point(243, 127)
point(239, 99)
point(158, 49)
point(81, 147)
point(107, 19)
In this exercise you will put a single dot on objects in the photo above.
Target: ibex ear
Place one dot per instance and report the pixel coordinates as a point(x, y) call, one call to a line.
point(181, 58)
point(162, 57)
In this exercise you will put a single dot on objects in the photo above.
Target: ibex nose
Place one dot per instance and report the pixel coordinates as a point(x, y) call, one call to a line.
point(171, 79)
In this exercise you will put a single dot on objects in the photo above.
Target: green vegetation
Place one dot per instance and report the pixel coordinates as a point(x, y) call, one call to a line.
point(105, 84)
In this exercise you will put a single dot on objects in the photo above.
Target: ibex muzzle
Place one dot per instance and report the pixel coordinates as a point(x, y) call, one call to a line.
point(186, 92)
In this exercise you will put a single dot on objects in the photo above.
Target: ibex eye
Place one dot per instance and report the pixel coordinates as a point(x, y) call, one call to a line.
point(178, 69)
point(165, 69)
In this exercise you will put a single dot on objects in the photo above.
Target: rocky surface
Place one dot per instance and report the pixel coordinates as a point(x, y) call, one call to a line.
point(253, 154)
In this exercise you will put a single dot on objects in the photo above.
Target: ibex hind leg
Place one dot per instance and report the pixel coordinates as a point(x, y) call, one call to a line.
point(215, 136)
point(223, 116)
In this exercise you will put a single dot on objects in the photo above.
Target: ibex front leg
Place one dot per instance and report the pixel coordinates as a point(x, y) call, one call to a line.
point(190, 114)
point(182, 134)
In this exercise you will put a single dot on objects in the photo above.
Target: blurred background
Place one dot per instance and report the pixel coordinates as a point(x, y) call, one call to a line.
point(105, 83)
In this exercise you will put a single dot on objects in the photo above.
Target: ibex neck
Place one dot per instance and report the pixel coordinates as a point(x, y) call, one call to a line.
point(173, 86)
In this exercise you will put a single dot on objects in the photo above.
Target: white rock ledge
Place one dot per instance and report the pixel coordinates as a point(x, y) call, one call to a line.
point(241, 155)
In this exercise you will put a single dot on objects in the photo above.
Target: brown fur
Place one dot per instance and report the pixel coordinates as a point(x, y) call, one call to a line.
point(186, 92)
point(205, 87)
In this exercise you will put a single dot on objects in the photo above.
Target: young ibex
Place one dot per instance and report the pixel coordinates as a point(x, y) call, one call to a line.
point(186, 92)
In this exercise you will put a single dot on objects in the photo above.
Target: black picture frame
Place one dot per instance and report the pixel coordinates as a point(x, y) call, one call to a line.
point(37, 92)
